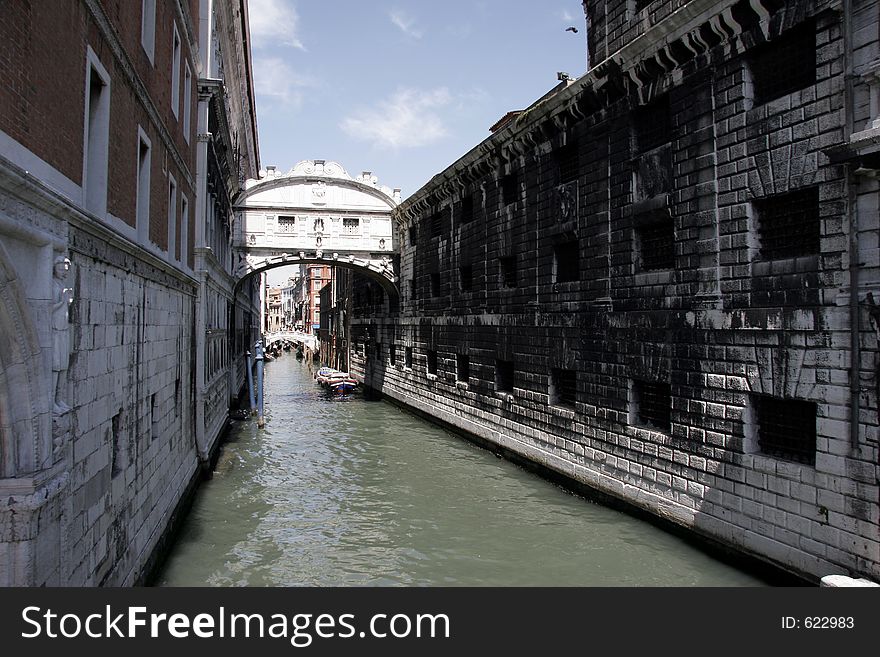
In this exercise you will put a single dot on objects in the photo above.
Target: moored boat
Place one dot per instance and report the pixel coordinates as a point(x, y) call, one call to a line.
point(343, 386)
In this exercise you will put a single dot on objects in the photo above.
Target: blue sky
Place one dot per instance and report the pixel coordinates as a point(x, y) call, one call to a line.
point(405, 88)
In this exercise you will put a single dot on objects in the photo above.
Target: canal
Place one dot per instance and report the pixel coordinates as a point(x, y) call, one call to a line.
point(354, 492)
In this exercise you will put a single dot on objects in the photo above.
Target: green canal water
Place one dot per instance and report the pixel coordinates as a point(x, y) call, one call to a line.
point(351, 492)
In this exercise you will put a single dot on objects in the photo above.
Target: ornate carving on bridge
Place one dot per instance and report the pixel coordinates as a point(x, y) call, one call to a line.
point(321, 214)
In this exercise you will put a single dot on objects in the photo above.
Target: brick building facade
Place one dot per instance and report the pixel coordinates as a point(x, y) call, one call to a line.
point(660, 281)
point(99, 163)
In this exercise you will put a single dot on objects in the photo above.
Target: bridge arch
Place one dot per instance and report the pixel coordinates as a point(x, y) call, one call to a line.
point(317, 213)
point(381, 272)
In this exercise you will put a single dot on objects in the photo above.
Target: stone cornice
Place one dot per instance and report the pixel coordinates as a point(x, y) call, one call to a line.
point(558, 110)
point(137, 86)
point(39, 195)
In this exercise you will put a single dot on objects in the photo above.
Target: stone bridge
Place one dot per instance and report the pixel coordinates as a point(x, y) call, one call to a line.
point(296, 337)
point(316, 213)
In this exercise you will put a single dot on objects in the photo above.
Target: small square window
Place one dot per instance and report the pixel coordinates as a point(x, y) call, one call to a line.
point(784, 65)
point(566, 262)
point(652, 403)
point(652, 125)
point(509, 188)
point(508, 271)
point(432, 362)
point(655, 244)
point(788, 224)
point(504, 375)
point(407, 357)
point(563, 387)
point(568, 162)
point(436, 224)
point(462, 368)
point(786, 428)
point(465, 278)
point(466, 209)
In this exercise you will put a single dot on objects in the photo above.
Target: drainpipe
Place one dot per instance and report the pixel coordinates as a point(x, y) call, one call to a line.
point(852, 207)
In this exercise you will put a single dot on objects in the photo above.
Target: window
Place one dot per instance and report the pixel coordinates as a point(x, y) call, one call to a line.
point(784, 65)
point(175, 72)
point(465, 277)
point(509, 188)
point(407, 357)
point(172, 218)
point(413, 290)
point(652, 405)
point(187, 101)
point(351, 225)
point(432, 362)
point(652, 150)
point(504, 375)
point(117, 456)
point(655, 244)
point(184, 229)
point(148, 27)
point(788, 224)
point(508, 271)
point(412, 235)
point(639, 5)
point(566, 262)
point(462, 368)
point(466, 209)
point(563, 387)
point(154, 417)
point(652, 125)
point(379, 351)
point(568, 162)
point(435, 284)
point(392, 353)
point(96, 142)
point(142, 202)
point(786, 428)
point(436, 224)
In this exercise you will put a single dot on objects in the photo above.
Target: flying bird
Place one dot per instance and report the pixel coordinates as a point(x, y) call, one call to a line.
point(571, 29)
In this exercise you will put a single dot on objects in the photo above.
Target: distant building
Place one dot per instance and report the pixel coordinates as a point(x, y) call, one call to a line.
point(288, 302)
point(275, 311)
point(315, 278)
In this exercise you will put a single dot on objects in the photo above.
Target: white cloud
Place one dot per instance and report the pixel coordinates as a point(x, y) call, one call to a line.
point(566, 17)
point(276, 83)
point(408, 119)
point(405, 23)
point(274, 23)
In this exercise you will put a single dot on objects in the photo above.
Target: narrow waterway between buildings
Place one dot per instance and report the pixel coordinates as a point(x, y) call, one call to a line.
point(356, 492)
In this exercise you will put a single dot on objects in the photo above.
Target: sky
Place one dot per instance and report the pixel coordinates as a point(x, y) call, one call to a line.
point(401, 88)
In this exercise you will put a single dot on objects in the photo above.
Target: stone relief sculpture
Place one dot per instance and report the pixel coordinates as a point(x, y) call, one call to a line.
point(567, 201)
point(62, 297)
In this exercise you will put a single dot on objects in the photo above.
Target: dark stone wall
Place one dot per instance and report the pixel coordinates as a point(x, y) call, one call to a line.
point(679, 320)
